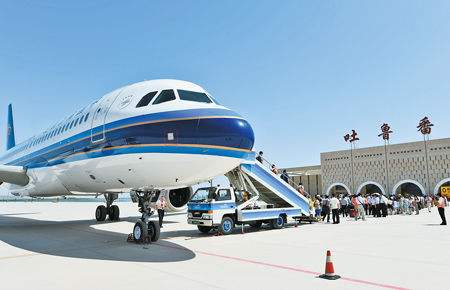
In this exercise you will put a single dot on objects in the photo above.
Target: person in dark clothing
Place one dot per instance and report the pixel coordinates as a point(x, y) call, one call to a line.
point(285, 176)
point(442, 203)
point(326, 209)
point(260, 157)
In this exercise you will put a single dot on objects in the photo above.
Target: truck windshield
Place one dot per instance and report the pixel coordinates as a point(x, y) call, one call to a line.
point(203, 194)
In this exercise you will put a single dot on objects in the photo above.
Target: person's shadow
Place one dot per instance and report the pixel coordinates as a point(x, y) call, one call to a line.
point(78, 239)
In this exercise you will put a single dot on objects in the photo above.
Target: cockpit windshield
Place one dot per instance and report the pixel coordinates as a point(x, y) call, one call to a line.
point(194, 96)
point(204, 194)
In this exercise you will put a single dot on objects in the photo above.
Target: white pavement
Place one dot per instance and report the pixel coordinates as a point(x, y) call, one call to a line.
point(60, 246)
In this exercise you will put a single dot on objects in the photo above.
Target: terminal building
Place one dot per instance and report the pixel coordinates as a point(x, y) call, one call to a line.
point(410, 169)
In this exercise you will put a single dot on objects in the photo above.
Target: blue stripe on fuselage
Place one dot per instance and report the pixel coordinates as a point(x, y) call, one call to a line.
point(118, 130)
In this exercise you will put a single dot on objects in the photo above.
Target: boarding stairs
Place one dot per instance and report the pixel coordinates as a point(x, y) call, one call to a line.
point(268, 187)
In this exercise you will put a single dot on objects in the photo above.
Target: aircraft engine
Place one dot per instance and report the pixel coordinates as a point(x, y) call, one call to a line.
point(177, 199)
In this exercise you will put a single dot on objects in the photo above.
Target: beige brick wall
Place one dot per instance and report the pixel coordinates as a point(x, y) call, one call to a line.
point(406, 162)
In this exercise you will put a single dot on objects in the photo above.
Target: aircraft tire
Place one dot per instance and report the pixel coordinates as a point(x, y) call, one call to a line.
point(114, 213)
point(100, 213)
point(154, 231)
point(140, 231)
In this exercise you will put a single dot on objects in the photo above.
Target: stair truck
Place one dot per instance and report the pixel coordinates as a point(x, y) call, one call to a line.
point(255, 197)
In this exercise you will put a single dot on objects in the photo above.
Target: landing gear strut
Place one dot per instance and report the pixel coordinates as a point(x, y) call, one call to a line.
point(110, 210)
point(145, 230)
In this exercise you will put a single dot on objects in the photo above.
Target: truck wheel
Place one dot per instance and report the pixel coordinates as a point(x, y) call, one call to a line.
point(226, 226)
point(277, 223)
point(154, 230)
point(204, 229)
point(256, 224)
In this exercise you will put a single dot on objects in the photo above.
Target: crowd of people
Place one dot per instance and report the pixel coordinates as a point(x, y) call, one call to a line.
point(358, 206)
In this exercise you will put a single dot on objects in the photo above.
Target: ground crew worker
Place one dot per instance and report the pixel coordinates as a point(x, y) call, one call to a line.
point(160, 206)
point(442, 202)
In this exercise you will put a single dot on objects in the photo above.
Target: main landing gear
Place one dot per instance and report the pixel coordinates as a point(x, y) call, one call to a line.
point(110, 210)
point(145, 230)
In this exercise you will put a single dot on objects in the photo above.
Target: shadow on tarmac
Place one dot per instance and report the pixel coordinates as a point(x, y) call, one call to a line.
point(78, 239)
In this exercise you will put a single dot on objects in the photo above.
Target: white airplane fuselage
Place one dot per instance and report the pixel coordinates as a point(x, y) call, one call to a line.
point(115, 145)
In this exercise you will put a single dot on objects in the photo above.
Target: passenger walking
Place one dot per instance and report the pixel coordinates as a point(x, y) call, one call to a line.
point(429, 200)
point(383, 205)
point(415, 203)
point(274, 169)
point(301, 188)
point(260, 157)
point(376, 204)
point(160, 206)
point(366, 205)
point(360, 212)
point(442, 203)
point(285, 176)
point(326, 208)
point(335, 206)
point(317, 207)
point(345, 205)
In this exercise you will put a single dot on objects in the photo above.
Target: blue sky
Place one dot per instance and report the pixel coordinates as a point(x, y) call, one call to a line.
point(302, 72)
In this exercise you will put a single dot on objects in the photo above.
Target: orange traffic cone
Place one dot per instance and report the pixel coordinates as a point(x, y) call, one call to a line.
point(329, 269)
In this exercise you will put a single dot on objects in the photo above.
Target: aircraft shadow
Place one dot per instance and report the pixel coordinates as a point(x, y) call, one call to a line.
point(78, 239)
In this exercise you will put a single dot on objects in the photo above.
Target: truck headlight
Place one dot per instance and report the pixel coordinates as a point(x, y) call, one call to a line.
point(189, 215)
point(207, 216)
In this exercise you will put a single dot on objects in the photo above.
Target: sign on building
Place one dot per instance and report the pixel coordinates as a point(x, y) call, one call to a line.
point(445, 190)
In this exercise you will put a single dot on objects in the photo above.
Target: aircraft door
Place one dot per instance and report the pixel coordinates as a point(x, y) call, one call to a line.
point(99, 117)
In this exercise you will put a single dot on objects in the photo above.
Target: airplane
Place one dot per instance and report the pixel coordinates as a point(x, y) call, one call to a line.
point(152, 138)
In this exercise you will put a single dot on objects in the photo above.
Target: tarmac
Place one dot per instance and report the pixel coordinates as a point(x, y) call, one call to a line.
point(46, 245)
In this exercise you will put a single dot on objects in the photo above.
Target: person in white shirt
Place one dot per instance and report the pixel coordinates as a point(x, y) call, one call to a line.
point(160, 206)
point(442, 202)
point(335, 205)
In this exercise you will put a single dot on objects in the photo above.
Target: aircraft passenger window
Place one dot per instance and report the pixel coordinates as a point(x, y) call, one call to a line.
point(81, 120)
point(71, 124)
point(87, 116)
point(165, 96)
point(146, 99)
point(75, 123)
point(194, 96)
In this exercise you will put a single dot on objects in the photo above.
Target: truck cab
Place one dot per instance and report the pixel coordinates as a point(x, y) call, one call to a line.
point(224, 207)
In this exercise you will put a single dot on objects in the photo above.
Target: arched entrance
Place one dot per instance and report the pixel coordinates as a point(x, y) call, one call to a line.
point(409, 187)
point(337, 188)
point(370, 187)
point(444, 182)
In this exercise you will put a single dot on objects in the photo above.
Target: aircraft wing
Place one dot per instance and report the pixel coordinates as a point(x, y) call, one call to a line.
point(14, 175)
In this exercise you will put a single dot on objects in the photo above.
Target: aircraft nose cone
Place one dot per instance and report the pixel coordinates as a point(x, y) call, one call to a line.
point(226, 132)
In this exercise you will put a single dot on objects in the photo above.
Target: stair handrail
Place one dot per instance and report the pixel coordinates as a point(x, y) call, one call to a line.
point(291, 181)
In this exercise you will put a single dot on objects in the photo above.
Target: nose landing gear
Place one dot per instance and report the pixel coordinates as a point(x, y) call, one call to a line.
point(145, 230)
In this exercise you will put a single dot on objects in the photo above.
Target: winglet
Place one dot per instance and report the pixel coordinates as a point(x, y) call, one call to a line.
point(10, 138)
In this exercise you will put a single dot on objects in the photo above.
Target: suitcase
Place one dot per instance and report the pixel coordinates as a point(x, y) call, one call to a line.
point(353, 213)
